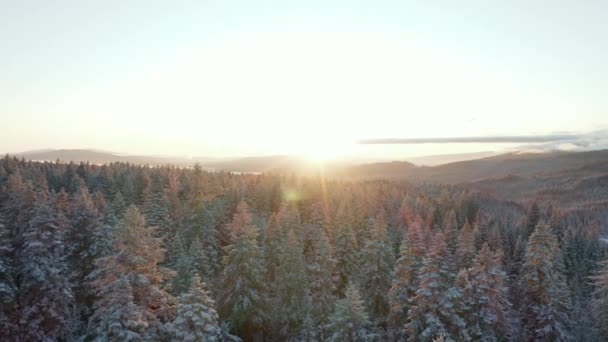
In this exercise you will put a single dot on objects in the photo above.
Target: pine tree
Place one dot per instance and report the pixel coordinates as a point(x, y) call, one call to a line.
point(485, 297)
point(156, 210)
point(116, 316)
point(434, 313)
point(241, 299)
point(378, 262)
point(85, 224)
point(600, 298)
point(347, 260)
point(405, 283)
point(292, 298)
point(481, 229)
point(532, 220)
point(8, 290)
point(196, 318)
point(451, 232)
point(137, 254)
point(547, 303)
point(273, 244)
point(319, 268)
point(204, 260)
point(45, 295)
point(183, 263)
point(349, 322)
point(466, 246)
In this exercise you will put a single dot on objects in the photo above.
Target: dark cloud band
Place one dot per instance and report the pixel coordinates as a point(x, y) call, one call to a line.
point(487, 139)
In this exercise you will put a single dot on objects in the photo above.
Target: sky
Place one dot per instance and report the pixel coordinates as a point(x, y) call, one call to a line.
point(238, 78)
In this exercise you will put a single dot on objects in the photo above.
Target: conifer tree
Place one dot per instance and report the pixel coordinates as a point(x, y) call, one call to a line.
point(485, 298)
point(196, 318)
point(241, 299)
point(319, 268)
point(183, 264)
point(600, 298)
point(292, 297)
point(466, 246)
point(481, 229)
point(84, 227)
point(116, 316)
point(350, 322)
point(532, 220)
point(547, 303)
point(203, 263)
point(434, 311)
point(347, 261)
point(450, 231)
point(405, 283)
point(136, 258)
point(45, 295)
point(156, 210)
point(378, 262)
point(274, 240)
point(8, 290)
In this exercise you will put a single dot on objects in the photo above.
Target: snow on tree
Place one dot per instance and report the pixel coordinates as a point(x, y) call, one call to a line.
point(319, 268)
point(196, 318)
point(273, 244)
point(450, 231)
point(183, 263)
point(465, 250)
point(600, 298)
point(481, 229)
point(291, 304)
point(546, 304)
point(203, 263)
point(241, 298)
point(116, 316)
point(45, 294)
point(405, 283)
point(347, 259)
point(84, 226)
point(8, 289)
point(434, 311)
point(378, 262)
point(350, 322)
point(156, 210)
point(484, 288)
point(137, 254)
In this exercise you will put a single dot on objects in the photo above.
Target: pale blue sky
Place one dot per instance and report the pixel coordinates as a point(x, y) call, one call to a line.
point(225, 78)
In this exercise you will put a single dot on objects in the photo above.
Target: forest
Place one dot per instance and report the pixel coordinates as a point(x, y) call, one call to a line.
point(125, 252)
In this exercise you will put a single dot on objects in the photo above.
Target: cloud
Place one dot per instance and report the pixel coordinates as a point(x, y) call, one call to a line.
point(484, 139)
point(596, 140)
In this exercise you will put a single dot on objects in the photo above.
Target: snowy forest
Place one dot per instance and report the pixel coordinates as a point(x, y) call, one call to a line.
point(122, 252)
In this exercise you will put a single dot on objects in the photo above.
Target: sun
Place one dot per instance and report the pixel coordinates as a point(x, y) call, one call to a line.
point(323, 151)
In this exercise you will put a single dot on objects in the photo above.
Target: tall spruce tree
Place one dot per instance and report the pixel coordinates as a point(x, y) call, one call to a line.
point(292, 296)
point(547, 303)
point(434, 311)
point(45, 294)
point(378, 263)
point(350, 322)
point(196, 318)
point(600, 298)
point(319, 269)
point(134, 271)
point(405, 283)
point(8, 289)
point(485, 298)
point(347, 259)
point(84, 226)
point(242, 292)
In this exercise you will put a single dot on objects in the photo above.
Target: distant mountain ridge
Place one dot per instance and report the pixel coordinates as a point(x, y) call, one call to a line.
point(495, 167)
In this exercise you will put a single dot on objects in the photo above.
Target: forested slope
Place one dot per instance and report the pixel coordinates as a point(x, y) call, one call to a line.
point(122, 252)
